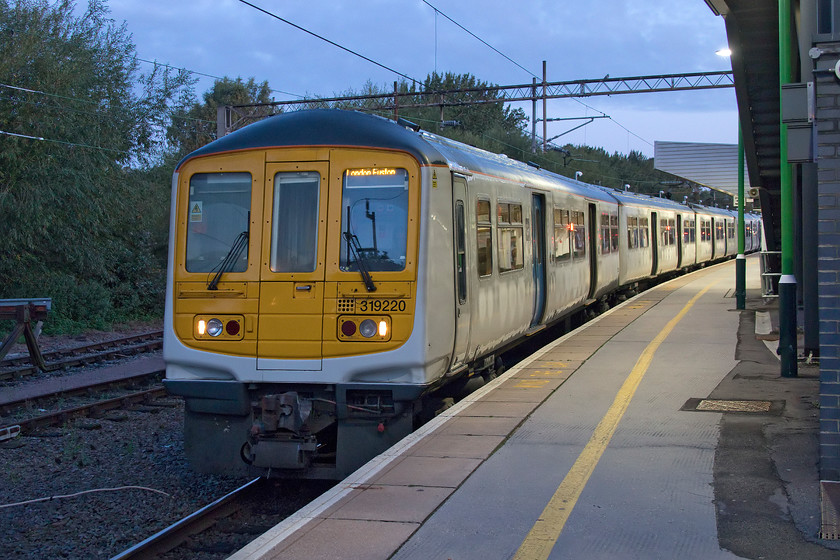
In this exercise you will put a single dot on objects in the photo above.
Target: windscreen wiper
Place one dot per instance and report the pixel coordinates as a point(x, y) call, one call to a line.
point(230, 259)
point(361, 261)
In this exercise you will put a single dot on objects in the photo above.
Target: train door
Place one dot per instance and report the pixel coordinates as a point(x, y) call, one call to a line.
point(290, 325)
point(459, 242)
point(654, 242)
point(678, 235)
point(593, 250)
point(713, 238)
point(538, 240)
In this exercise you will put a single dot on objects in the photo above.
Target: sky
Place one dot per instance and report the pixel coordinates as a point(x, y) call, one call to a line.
point(578, 40)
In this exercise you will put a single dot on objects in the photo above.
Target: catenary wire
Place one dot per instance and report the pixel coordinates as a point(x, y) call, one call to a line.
point(333, 43)
point(479, 38)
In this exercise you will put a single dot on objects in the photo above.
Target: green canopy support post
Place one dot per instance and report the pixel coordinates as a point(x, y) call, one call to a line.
point(741, 259)
point(787, 282)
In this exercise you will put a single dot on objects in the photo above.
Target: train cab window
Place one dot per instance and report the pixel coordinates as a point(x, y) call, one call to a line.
point(219, 208)
point(484, 238)
point(579, 233)
point(562, 235)
point(511, 242)
point(374, 212)
point(294, 227)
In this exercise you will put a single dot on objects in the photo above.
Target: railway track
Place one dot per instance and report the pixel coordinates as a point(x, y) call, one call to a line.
point(180, 531)
point(231, 522)
point(54, 401)
point(20, 366)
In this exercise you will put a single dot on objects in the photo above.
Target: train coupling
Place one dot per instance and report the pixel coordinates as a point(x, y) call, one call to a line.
point(279, 430)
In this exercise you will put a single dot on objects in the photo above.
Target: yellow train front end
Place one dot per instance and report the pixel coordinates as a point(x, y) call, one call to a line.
point(291, 302)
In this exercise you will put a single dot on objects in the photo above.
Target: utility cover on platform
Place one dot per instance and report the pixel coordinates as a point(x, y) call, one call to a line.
point(734, 405)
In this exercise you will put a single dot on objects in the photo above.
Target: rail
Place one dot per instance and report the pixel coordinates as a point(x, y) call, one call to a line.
point(175, 534)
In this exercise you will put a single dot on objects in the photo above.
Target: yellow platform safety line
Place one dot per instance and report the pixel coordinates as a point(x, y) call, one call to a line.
point(545, 532)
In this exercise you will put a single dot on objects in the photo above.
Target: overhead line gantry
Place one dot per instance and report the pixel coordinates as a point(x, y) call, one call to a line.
point(235, 116)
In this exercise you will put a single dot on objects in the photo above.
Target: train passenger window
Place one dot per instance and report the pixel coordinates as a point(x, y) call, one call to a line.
point(579, 231)
point(688, 232)
point(294, 227)
point(562, 235)
point(511, 241)
point(614, 231)
point(719, 230)
point(374, 210)
point(644, 232)
point(461, 250)
point(219, 206)
point(668, 228)
point(632, 232)
point(605, 233)
point(484, 238)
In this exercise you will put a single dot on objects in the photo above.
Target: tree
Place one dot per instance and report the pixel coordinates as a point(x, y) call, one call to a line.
point(78, 215)
point(194, 124)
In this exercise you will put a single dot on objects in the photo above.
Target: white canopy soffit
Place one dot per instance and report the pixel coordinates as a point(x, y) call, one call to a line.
point(711, 165)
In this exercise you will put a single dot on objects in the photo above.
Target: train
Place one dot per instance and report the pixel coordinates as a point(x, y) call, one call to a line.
point(332, 274)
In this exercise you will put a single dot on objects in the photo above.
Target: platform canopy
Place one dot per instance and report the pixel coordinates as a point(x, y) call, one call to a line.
point(711, 165)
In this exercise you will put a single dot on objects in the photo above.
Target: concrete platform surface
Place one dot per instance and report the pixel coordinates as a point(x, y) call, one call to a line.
point(598, 446)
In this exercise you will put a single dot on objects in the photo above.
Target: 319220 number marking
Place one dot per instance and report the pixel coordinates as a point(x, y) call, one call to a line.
point(380, 305)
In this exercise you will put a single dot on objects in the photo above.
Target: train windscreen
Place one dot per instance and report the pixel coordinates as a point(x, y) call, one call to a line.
point(219, 206)
point(375, 212)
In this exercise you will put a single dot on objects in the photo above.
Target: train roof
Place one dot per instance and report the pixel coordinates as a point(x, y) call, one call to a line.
point(640, 199)
point(322, 127)
point(332, 127)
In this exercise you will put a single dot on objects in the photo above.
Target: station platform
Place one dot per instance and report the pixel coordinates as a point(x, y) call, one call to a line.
point(660, 429)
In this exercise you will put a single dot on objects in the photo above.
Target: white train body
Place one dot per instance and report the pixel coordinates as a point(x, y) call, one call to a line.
point(315, 365)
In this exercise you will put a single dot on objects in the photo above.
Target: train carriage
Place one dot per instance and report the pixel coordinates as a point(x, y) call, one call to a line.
point(333, 274)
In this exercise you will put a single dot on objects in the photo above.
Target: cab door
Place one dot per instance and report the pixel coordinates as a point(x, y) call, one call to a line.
point(290, 325)
point(462, 303)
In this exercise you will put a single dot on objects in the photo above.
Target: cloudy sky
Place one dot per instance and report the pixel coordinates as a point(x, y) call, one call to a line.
point(579, 40)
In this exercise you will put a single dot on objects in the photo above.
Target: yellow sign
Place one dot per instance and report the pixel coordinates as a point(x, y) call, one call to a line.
point(195, 211)
point(434, 179)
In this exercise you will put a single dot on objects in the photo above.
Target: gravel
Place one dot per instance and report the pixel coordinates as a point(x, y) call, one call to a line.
point(140, 448)
point(137, 451)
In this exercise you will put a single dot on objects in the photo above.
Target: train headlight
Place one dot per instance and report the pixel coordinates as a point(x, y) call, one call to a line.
point(214, 327)
point(368, 328)
point(361, 328)
point(219, 327)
